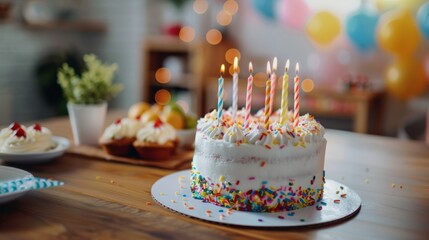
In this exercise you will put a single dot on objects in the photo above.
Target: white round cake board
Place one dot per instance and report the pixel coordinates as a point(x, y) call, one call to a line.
point(173, 192)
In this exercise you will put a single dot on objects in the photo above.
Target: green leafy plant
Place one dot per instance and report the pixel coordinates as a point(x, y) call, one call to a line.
point(94, 86)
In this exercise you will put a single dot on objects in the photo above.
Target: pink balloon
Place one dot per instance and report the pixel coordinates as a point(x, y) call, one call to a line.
point(293, 13)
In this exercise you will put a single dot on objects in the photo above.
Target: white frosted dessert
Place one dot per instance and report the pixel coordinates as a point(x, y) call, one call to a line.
point(258, 169)
point(121, 128)
point(19, 139)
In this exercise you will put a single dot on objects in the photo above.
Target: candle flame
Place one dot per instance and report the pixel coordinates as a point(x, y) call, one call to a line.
point(275, 64)
point(250, 67)
point(287, 65)
point(297, 68)
point(235, 64)
point(268, 68)
point(222, 69)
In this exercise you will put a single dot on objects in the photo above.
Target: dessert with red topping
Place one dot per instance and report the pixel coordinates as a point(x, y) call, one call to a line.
point(156, 140)
point(18, 139)
point(118, 138)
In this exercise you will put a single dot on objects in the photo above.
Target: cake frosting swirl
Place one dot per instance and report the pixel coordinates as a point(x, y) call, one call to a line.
point(157, 132)
point(19, 139)
point(121, 128)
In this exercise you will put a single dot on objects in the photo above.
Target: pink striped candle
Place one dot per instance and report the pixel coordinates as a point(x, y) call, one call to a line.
point(220, 94)
point(249, 96)
point(273, 84)
point(267, 98)
point(235, 90)
point(296, 98)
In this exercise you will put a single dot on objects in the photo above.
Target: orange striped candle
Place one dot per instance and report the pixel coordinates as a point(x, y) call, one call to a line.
point(296, 98)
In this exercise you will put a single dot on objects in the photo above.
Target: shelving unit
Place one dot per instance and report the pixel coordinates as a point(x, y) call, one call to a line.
point(200, 62)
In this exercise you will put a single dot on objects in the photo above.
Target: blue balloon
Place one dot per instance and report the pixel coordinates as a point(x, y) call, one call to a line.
point(266, 8)
point(423, 19)
point(360, 28)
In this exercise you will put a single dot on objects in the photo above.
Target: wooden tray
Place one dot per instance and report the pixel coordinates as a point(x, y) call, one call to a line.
point(182, 160)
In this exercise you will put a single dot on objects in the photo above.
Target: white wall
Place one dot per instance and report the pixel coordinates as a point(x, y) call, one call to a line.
point(21, 49)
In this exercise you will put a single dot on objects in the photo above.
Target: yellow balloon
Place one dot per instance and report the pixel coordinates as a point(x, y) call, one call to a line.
point(390, 4)
point(405, 79)
point(398, 33)
point(323, 27)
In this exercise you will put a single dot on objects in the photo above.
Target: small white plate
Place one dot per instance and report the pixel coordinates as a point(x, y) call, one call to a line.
point(8, 174)
point(40, 157)
point(173, 192)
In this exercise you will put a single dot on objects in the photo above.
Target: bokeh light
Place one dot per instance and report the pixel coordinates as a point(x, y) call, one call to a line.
point(184, 105)
point(230, 6)
point(224, 18)
point(200, 6)
point(307, 85)
point(231, 69)
point(163, 75)
point(187, 34)
point(259, 79)
point(162, 97)
point(214, 36)
point(231, 54)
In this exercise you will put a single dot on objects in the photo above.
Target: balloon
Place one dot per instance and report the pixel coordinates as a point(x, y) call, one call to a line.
point(423, 19)
point(265, 7)
point(391, 4)
point(405, 79)
point(293, 13)
point(323, 27)
point(398, 33)
point(360, 28)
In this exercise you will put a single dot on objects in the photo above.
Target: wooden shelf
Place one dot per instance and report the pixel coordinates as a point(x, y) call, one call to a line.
point(78, 26)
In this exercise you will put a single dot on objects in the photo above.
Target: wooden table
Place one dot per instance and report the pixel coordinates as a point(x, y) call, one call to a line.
point(106, 200)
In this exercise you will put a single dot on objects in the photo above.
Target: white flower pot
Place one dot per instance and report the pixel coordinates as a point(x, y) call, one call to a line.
point(87, 122)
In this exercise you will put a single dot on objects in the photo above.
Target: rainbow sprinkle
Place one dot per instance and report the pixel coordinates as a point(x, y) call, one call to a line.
point(264, 199)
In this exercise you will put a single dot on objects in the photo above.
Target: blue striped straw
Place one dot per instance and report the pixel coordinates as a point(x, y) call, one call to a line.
point(26, 183)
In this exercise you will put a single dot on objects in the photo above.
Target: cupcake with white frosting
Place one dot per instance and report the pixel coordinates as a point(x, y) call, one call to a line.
point(118, 138)
point(156, 140)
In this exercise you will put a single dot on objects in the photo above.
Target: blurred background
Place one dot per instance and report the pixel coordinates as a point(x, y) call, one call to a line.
point(364, 65)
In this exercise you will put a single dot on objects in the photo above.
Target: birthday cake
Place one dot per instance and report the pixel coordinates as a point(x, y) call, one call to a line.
point(268, 166)
point(258, 169)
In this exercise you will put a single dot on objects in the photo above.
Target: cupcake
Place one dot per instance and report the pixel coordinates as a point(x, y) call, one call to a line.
point(156, 140)
point(118, 138)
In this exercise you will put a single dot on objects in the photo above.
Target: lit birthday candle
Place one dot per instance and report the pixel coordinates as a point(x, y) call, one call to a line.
point(285, 89)
point(249, 96)
point(235, 89)
point(296, 98)
point(273, 84)
point(267, 98)
point(220, 94)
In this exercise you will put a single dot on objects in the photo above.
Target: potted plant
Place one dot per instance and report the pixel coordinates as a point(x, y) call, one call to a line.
point(87, 97)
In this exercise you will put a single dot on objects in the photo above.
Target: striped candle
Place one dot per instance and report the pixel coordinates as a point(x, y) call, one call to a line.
point(249, 96)
point(296, 98)
point(273, 84)
point(220, 94)
point(267, 98)
point(285, 89)
point(235, 90)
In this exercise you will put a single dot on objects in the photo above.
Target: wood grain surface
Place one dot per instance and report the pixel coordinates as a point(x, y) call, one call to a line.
point(108, 200)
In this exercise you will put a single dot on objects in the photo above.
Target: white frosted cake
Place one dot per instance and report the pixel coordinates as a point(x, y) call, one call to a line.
point(258, 169)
